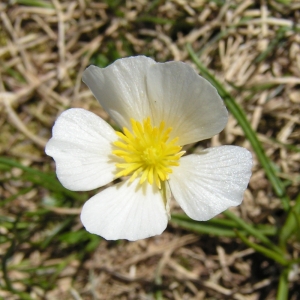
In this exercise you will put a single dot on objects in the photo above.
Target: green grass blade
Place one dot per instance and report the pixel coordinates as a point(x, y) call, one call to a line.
point(273, 44)
point(47, 180)
point(225, 224)
point(251, 230)
point(37, 3)
point(291, 224)
point(266, 252)
point(15, 196)
point(215, 221)
point(204, 228)
point(240, 116)
point(56, 231)
point(223, 227)
point(283, 287)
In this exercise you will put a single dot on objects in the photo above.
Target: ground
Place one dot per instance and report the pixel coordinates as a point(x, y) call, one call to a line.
point(250, 49)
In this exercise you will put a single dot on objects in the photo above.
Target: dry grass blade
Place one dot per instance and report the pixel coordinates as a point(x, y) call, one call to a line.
point(251, 47)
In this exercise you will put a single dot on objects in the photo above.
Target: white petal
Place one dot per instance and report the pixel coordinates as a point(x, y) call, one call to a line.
point(126, 211)
point(208, 183)
point(121, 88)
point(185, 101)
point(81, 147)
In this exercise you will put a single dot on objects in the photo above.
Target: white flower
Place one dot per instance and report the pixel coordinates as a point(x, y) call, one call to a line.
point(161, 107)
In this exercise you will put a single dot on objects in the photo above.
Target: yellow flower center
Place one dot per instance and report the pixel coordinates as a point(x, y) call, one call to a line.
point(147, 151)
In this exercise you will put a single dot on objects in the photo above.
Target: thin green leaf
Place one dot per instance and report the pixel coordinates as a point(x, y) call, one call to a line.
point(283, 287)
point(204, 228)
point(251, 230)
point(273, 44)
point(62, 265)
point(37, 3)
point(55, 231)
point(291, 224)
point(214, 221)
point(47, 180)
point(225, 224)
point(15, 196)
point(263, 250)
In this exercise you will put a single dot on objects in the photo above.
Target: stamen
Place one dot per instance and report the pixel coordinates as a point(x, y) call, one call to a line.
point(147, 152)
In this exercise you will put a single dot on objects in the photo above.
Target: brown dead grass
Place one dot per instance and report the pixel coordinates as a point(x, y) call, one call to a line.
point(43, 52)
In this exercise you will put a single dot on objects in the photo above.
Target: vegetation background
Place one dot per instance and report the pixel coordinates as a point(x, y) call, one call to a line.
point(250, 50)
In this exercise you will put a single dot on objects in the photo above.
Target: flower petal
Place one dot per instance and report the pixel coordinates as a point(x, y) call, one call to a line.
point(185, 101)
point(208, 183)
point(126, 211)
point(121, 88)
point(81, 147)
